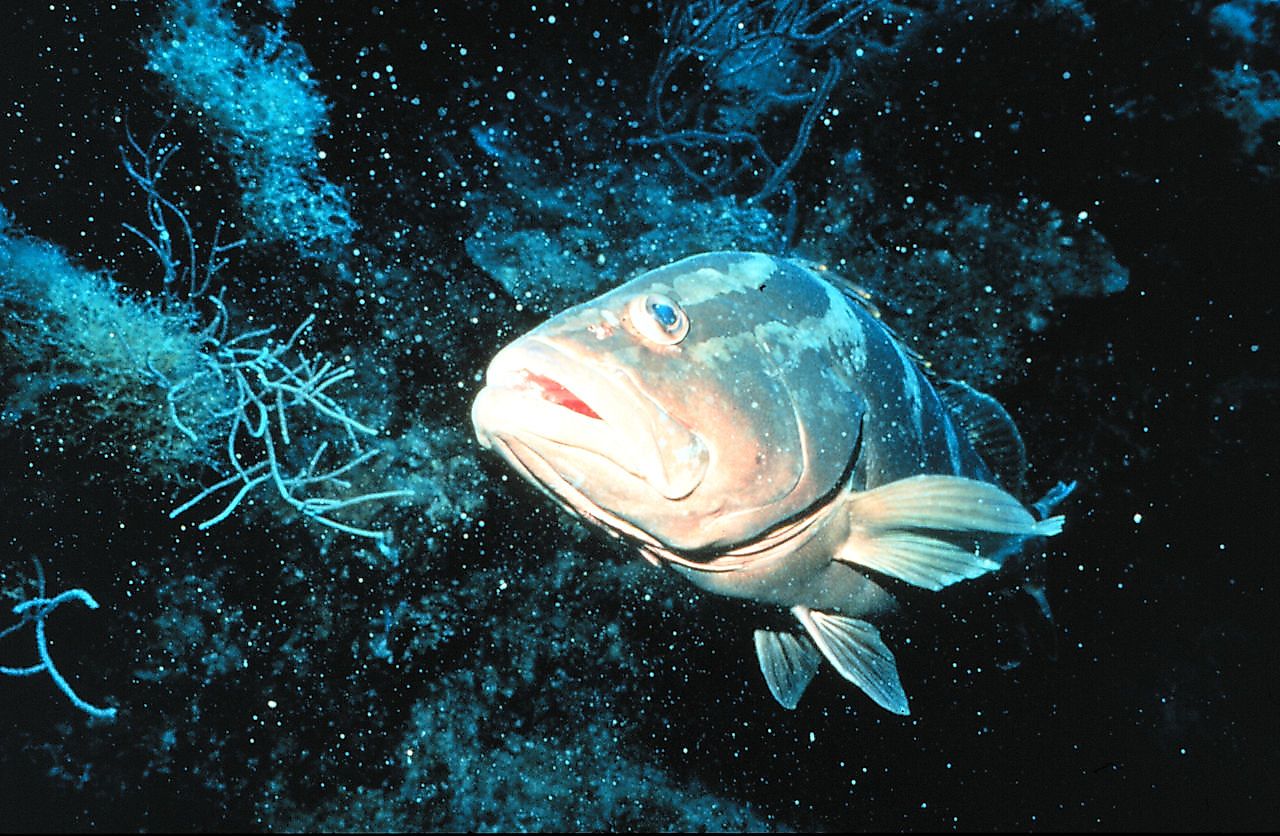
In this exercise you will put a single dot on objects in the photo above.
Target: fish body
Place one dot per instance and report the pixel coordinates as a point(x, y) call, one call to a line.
point(748, 421)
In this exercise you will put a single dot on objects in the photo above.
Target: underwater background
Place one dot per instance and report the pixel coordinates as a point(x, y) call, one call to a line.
point(254, 257)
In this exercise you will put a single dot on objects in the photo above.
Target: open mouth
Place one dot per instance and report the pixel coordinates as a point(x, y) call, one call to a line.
point(556, 393)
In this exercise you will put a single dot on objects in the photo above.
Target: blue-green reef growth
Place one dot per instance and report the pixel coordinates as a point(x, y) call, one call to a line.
point(254, 256)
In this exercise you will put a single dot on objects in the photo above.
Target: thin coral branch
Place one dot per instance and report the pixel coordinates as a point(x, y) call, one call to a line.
point(270, 383)
point(781, 171)
point(36, 610)
point(724, 69)
point(270, 387)
point(146, 166)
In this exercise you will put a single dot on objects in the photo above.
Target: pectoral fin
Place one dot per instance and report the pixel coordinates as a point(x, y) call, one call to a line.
point(928, 530)
point(855, 650)
point(788, 663)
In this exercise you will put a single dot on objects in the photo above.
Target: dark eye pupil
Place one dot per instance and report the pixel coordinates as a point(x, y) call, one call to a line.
point(664, 313)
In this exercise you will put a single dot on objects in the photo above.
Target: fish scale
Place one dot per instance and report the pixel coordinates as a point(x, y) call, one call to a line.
point(750, 423)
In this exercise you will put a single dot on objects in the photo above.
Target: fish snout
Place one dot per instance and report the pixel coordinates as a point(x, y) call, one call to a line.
point(561, 406)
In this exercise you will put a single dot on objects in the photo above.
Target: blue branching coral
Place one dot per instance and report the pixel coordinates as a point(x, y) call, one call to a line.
point(242, 421)
point(36, 610)
point(82, 355)
point(175, 394)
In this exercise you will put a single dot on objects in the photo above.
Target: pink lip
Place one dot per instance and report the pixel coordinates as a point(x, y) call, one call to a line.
point(557, 393)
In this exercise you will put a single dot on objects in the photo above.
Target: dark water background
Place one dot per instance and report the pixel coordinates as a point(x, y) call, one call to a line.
point(541, 680)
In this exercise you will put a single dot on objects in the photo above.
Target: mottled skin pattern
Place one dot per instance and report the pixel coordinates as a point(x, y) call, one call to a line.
point(736, 453)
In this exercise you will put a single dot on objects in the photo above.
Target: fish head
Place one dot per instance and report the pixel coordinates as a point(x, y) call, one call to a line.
point(688, 409)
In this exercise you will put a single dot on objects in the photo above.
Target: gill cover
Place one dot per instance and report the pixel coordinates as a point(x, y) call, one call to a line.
point(721, 401)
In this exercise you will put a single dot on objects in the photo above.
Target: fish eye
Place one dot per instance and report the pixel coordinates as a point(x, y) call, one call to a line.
point(659, 318)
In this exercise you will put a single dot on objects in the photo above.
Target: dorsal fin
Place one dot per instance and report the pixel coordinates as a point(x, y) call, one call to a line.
point(854, 291)
point(991, 432)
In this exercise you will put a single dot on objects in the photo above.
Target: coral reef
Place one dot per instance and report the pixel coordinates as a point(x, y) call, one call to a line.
point(967, 283)
point(551, 244)
point(256, 97)
point(83, 359)
point(1040, 197)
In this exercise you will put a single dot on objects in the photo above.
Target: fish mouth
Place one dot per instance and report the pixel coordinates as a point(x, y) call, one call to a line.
point(555, 392)
point(567, 420)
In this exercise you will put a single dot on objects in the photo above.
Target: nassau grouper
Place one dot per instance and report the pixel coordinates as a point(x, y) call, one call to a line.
point(750, 423)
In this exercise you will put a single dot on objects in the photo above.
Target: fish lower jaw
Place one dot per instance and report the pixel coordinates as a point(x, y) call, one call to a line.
point(546, 427)
point(565, 485)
